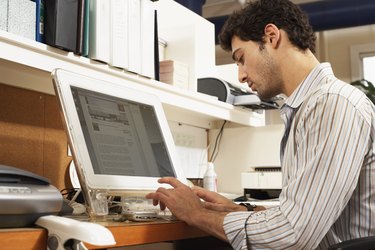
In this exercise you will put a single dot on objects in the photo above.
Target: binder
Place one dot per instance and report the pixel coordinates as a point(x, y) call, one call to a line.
point(39, 27)
point(99, 30)
point(80, 26)
point(134, 36)
point(119, 34)
point(156, 47)
point(86, 25)
point(147, 39)
point(61, 18)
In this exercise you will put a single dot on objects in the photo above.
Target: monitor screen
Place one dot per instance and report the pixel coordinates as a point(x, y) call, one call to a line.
point(123, 137)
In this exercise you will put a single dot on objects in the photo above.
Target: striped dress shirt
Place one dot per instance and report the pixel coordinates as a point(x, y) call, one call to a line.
point(328, 171)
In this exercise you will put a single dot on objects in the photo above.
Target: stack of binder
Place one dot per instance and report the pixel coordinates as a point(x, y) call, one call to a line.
point(120, 33)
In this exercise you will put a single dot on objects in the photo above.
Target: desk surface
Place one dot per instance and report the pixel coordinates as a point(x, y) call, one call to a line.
point(125, 234)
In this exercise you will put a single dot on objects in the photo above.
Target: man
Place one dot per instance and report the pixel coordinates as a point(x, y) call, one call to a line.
point(327, 152)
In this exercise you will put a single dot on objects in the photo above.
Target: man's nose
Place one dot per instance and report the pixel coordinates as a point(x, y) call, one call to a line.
point(242, 76)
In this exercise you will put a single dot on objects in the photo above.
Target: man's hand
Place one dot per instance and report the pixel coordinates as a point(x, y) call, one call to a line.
point(180, 200)
point(216, 202)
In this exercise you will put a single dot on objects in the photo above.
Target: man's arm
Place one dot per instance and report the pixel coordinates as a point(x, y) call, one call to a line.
point(186, 206)
point(217, 202)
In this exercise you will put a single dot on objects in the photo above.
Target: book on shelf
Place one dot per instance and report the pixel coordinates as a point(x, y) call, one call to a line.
point(156, 48)
point(175, 73)
point(86, 25)
point(119, 55)
point(168, 66)
point(99, 30)
point(147, 39)
point(175, 80)
point(60, 26)
point(39, 19)
point(80, 26)
point(134, 36)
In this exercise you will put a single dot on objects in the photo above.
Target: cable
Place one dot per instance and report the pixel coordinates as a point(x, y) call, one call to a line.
point(217, 143)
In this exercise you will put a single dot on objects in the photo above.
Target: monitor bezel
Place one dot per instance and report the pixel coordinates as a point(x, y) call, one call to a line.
point(63, 81)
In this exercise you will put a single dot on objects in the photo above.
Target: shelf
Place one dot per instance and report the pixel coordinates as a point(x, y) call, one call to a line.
point(28, 64)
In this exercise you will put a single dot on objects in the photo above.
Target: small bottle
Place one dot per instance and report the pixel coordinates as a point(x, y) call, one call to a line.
point(210, 178)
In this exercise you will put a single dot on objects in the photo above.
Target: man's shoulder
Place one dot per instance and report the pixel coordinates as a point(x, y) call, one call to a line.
point(335, 88)
point(336, 93)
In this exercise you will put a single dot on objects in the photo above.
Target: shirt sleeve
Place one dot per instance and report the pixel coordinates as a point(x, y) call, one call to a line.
point(323, 157)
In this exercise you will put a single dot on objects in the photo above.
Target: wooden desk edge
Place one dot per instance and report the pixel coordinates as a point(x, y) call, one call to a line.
point(125, 235)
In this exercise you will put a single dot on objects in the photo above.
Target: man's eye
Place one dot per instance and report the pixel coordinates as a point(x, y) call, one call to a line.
point(240, 60)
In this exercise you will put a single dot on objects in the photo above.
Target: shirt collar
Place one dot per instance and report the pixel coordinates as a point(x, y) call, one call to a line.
point(309, 84)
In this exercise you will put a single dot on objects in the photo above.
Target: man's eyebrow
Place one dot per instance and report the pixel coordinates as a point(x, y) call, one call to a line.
point(234, 55)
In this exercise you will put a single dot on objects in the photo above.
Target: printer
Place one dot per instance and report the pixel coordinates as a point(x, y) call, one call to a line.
point(262, 182)
point(232, 94)
point(24, 197)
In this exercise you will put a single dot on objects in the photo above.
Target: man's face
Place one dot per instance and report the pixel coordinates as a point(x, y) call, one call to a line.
point(256, 67)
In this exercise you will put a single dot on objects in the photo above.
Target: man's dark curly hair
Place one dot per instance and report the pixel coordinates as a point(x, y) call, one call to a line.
point(249, 23)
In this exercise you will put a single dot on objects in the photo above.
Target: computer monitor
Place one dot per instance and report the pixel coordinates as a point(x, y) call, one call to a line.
point(119, 137)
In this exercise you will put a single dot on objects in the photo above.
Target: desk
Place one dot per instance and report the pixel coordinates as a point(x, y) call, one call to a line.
point(126, 234)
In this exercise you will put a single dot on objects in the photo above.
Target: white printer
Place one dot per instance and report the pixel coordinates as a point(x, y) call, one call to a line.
point(262, 182)
point(232, 94)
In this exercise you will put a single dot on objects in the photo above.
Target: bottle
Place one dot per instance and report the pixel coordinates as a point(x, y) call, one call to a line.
point(210, 178)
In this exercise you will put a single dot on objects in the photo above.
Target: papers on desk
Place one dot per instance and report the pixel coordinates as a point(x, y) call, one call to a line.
point(230, 196)
point(266, 203)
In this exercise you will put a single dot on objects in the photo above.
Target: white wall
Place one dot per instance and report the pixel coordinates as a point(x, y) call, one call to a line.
point(242, 148)
point(334, 47)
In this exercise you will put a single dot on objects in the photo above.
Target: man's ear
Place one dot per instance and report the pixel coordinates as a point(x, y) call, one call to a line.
point(272, 35)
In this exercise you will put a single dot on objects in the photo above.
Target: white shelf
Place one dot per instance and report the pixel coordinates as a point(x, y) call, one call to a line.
point(28, 64)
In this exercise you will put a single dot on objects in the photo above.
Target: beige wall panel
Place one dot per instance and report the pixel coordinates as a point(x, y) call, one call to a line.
point(31, 134)
point(56, 160)
point(21, 129)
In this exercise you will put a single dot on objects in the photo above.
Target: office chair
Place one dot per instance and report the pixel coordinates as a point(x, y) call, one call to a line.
point(366, 243)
